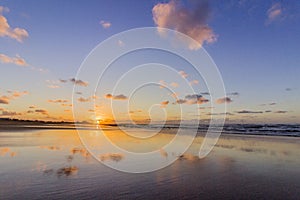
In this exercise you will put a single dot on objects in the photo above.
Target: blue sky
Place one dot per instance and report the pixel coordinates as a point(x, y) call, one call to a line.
point(256, 50)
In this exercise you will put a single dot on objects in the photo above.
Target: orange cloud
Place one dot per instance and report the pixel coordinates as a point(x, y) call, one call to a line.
point(18, 34)
point(190, 21)
point(79, 82)
point(164, 104)
point(116, 97)
point(58, 101)
point(183, 74)
point(82, 100)
point(224, 100)
point(41, 111)
point(14, 60)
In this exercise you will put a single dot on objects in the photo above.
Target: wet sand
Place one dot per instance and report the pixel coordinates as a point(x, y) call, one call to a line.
point(53, 164)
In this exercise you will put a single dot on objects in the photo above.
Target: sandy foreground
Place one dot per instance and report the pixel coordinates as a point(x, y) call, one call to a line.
point(39, 164)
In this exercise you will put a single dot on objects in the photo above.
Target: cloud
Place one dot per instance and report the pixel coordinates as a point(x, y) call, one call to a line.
point(224, 100)
point(58, 101)
point(227, 113)
point(249, 112)
point(83, 100)
point(4, 100)
point(194, 82)
point(14, 60)
point(105, 24)
point(183, 74)
point(193, 99)
point(174, 84)
point(10, 113)
point(190, 21)
point(63, 81)
point(41, 111)
point(281, 112)
point(164, 104)
point(121, 43)
point(18, 34)
point(162, 84)
point(116, 157)
point(79, 82)
point(233, 94)
point(288, 89)
point(116, 97)
point(274, 13)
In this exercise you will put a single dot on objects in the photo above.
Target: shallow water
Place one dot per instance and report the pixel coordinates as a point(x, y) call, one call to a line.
point(53, 164)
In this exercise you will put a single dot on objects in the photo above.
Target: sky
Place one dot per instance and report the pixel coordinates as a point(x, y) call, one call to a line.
point(254, 44)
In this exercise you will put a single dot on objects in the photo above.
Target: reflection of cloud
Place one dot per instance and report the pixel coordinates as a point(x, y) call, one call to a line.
point(190, 21)
point(116, 157)
point(189, 157)
point(18, 34)
point(105, 24)
point(224, 100)
point(116, 97)
point(67, 171)
point(7, 151)
point(53, 148)
point(163, 153)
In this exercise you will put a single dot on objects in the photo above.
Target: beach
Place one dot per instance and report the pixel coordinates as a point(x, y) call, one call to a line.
point(53, 164)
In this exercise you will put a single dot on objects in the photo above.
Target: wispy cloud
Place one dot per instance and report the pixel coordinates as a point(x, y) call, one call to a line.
point(58, 101)
point(224, 100)
point(83, 100)
point(10, 113)
point(14, 60)
point(17, 33)
point(249, 112)
point(274, 13)
point(191, 21)
point(41, 111)
point(192, 99)
point(183, 74)
point(11, 95)
point(164, 104)
point(79, 82)
point(116, 97)
point(105, 24)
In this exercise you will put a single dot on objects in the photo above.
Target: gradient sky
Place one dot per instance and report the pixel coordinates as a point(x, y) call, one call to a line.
point(255, 45)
